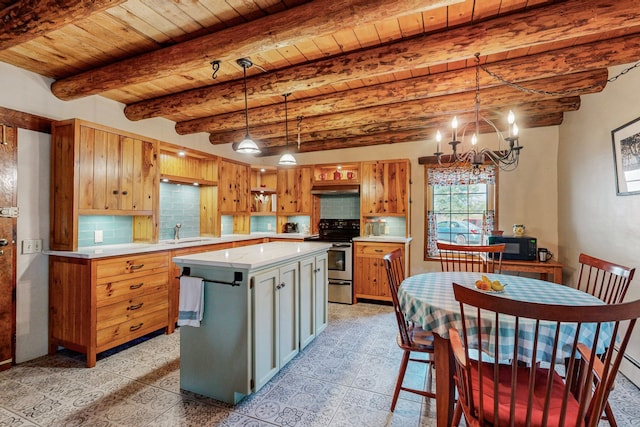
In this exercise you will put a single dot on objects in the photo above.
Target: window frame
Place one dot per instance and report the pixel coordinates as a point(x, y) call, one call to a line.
point(429, 194)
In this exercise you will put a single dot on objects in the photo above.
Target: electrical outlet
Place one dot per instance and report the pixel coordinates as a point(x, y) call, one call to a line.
point(269, 227)
point(97, 236)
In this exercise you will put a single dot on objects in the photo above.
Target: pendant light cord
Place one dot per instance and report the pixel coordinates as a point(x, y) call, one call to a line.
point(246, 102)
point(286, 120)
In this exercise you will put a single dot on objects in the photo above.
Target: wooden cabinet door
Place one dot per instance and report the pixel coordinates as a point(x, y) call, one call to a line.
point(98, 170)
point(233, 187)
point(385, 188)
point(137, 174)
point(116, 173)
point(294, 190)
point(370, 276)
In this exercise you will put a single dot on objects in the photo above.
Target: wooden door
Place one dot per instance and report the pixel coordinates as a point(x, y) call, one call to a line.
point(8, 225)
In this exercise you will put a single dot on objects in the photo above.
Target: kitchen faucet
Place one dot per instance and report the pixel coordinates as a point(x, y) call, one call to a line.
point(176, 231)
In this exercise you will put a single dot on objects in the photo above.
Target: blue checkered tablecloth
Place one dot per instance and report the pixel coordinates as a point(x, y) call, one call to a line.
point(427, 299)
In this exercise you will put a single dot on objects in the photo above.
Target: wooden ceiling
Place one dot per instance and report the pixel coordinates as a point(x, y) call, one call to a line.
point(360, 72)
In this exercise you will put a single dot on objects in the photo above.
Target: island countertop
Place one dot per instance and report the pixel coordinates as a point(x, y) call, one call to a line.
point(254, 256)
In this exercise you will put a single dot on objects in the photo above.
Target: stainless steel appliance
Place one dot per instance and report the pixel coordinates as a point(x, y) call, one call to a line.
point(340, 233)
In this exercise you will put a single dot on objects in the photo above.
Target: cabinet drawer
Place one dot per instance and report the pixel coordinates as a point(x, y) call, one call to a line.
point(380, 249)
point(122, 332)
point(130, 309)
point(113, 291)
point(135, 265)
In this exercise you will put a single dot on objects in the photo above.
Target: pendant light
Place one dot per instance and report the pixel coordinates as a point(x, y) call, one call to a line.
point(247, 145)
point(287, 158)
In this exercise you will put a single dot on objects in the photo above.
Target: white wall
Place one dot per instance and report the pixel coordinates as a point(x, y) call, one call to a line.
point(591, 217)
point(527, 196)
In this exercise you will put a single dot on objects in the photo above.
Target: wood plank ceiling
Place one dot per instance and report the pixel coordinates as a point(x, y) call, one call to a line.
point(360, 72)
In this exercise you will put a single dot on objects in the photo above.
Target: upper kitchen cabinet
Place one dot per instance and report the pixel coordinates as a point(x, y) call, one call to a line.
point(96, 170)
point(384, 188)
point(336, 174)
point(233, 187)
point(179, 164)
point(294, 191)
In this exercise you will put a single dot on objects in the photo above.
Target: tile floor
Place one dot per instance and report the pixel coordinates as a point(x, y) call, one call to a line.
point(344, 378)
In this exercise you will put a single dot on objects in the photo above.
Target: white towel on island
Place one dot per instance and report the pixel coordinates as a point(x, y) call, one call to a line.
point(191, 306)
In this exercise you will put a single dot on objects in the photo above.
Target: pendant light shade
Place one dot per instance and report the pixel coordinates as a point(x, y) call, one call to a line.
point(247, 145)
point(287, 158)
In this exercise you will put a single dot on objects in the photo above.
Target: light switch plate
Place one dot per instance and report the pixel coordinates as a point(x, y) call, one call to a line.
point(97, 236)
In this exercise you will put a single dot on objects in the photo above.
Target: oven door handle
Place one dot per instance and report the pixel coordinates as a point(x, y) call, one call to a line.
point(341, 245)
point(339, 282)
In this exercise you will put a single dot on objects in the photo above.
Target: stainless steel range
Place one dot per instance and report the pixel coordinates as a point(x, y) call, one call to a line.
point(340, 233)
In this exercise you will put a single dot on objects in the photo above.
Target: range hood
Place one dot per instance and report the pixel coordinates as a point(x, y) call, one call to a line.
point(335, 189)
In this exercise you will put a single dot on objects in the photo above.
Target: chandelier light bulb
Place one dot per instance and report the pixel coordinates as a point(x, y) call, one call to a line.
point(474, 140)
point(511, 118)
point(515, 129)
point(438, 139)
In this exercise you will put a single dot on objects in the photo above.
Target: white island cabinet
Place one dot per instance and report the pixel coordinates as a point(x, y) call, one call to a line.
point(262, 304)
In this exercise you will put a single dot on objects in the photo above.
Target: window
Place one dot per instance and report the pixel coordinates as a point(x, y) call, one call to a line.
point(460, 205)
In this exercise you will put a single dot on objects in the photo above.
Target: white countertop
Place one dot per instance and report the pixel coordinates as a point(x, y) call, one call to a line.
point(254, 256)
point(103, 251)
point(383, 239)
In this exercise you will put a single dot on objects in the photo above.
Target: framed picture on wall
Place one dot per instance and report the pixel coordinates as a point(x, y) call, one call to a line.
point(626, 157)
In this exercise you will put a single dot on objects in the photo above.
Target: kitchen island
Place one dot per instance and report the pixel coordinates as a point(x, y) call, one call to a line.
point(262, 304)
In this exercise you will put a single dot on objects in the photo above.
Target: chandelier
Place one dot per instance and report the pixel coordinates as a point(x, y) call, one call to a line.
point(247, 145)
point(506, 155)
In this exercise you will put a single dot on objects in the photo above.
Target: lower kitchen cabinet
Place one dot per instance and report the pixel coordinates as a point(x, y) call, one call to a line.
point(254, 312)
point(314, 298)
point(369, 273)
point(98, 304)
point(275, 318)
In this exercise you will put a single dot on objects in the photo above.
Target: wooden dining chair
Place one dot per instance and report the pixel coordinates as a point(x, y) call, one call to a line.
point(473, 258)
point(609, 282)
point(411, 337)
point(603, 279)
point(499, 389)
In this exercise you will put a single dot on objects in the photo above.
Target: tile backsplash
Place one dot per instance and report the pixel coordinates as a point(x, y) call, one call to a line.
point(179, 204)
point(115, 229)
point(340, 206)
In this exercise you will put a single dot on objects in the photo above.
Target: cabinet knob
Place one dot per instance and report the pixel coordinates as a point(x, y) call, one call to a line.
point(116, 192)
point(124, 193)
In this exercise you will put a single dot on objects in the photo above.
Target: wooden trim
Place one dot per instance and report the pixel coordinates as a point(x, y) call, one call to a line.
point(23, 120)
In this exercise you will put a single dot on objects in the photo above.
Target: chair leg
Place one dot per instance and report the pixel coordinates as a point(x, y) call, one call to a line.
point(610, 418)
point(403, 369)
point(457, 415)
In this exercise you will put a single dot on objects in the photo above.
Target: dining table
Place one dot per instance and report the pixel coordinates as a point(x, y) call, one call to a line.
point(427, 300)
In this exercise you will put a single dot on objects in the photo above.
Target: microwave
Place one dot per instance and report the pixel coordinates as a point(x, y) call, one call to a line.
point(522, 248)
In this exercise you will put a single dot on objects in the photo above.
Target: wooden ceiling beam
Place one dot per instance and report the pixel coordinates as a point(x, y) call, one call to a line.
point(411, 135)
point(494, 98)
point(442, 122)
point(519, 70)
point(571, 19)
point(313, 19)
point(25, 20)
